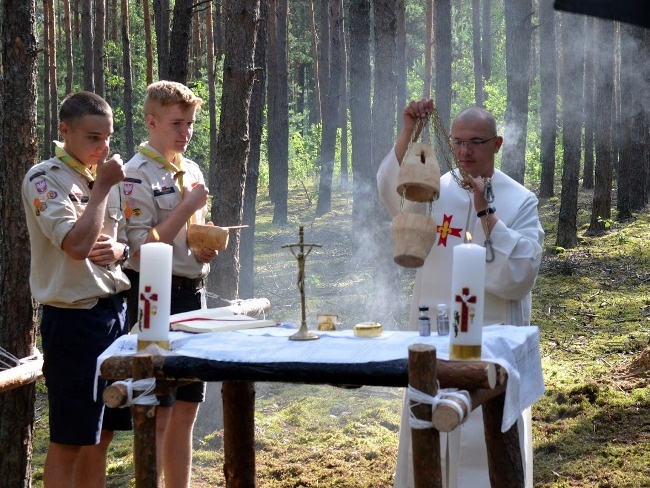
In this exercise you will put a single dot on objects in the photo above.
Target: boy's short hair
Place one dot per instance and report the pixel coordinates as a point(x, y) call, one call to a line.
point(162, 93)
point(76, 105)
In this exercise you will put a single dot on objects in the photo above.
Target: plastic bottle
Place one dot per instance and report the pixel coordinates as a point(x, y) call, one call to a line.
point(442, 320)
point(424, 324)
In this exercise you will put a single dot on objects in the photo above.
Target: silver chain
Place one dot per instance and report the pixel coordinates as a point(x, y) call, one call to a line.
point(451, 161)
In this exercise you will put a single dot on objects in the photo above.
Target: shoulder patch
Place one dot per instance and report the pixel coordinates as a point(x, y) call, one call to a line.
point(132, 180)
point(36, 175)
point(163, 191)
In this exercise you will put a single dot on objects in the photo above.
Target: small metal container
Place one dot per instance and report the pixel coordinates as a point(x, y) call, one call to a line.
point(442, 320)
point(424, 323)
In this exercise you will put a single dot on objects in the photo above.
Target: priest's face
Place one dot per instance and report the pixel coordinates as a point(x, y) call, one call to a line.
point(475, 143)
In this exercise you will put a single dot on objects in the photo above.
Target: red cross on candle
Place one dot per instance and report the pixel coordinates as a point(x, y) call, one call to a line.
point(464, 299)
point(147, 297)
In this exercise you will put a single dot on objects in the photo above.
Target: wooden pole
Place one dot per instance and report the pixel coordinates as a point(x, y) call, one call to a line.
point(239, 433)
point(144, 429)
point(21, 375)
point(468, 375)
point(425, 442)
point(504, 452)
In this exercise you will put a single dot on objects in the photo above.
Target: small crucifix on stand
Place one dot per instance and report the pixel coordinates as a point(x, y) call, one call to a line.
point(301, 255)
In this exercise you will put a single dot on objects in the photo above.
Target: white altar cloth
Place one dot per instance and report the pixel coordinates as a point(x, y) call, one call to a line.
point(514, 348)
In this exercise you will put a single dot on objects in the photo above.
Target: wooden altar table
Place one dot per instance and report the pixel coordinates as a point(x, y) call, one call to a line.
point(500, 383)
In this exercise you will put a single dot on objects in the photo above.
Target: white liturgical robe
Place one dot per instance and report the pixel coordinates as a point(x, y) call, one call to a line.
point(516, 242)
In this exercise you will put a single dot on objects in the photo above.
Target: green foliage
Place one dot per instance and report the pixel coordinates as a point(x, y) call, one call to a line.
point(303, 154)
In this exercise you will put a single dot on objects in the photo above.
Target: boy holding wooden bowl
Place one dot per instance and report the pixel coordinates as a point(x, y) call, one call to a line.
point(164, 194)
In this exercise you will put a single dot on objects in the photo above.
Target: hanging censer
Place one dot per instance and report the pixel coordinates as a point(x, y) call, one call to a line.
point(418, 180)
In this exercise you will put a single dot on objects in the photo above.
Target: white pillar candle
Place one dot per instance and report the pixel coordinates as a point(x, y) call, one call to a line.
point(467, 301)
point(154, 297)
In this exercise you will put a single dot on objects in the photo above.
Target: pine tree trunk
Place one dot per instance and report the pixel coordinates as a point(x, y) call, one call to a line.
point(212, 105)
point(363, 177)
point(115, 10)
point(76, 32)
point(315, 54)
point(548, 100)
point(281, 166)
point(69, 75)
point(479, 96)
point(228, 170)
point(330, 103)
point(442, 42)
point(211, 73)
point(47, 111)
point(161, 20)
point(128, 81)
point(179, 41)
point(247, 250)
point(19, 151)
point(604, 93)
point(518, 15)
point(87, 40)
point(428, 41)
point(197, 45)
point(147, 41)
point(486, 38)
point(400, 67)
point(383, 134)
point(631, 172)
point(272, 94)
point(645, 77)
point(99, 39)
point(51, 52)
point(588, 169)
point(343, 103)
point(218, 31)
point(571, 76)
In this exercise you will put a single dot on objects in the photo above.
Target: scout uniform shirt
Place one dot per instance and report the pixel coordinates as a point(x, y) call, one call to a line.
point(54, 196)
point(149, 194)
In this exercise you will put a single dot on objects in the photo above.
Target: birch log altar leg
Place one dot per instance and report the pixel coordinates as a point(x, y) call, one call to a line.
point(464, 447)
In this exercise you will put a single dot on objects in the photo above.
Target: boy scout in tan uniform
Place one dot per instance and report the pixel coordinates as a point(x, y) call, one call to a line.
point(77, 235)
point(150, 194)
point(162, 193)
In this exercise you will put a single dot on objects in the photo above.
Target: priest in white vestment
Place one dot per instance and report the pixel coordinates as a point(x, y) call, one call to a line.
point(507, 215)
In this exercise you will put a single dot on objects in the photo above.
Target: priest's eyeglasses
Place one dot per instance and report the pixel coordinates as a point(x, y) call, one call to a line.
point(471, 144)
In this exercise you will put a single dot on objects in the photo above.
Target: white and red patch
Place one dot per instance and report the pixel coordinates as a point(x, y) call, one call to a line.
point(128, 189)
point(41, 186)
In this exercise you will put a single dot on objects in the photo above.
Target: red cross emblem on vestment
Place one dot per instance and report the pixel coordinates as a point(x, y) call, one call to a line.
point(446, 229)
point(464, 299)
point(147, 297)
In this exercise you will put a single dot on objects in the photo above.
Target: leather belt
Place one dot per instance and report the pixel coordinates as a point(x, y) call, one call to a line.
point(187, 283)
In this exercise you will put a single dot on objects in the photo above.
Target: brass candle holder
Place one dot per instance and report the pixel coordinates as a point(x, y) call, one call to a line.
point(298, 250)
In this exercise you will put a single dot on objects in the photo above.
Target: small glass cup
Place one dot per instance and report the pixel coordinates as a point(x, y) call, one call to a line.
point(327, 321)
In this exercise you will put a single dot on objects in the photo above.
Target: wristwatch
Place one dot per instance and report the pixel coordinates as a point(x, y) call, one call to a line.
point(125, 254)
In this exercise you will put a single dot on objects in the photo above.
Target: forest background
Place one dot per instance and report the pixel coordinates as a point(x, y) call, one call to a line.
point(304, 98)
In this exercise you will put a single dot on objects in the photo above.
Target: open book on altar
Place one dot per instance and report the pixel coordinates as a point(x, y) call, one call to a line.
point(233, 317)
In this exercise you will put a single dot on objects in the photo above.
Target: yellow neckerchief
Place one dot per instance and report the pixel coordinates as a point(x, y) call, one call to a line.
point(176, 169)
point(62, 154)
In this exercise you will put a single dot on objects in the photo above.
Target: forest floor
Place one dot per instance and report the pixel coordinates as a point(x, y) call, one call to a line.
point(591, 303)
